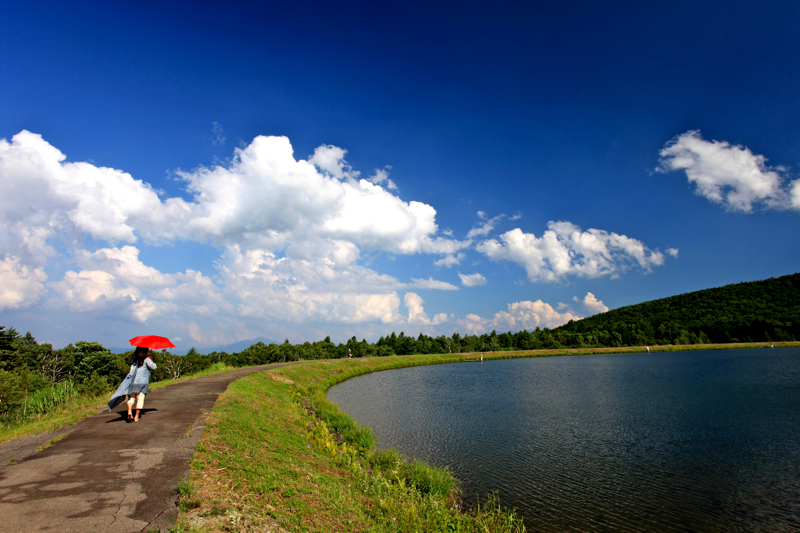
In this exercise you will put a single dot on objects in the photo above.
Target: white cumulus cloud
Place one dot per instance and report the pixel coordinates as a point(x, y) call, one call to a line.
point(472, 280)
point(263, 198)
point(291, 233)
point(592, 304)
point(45, 197)
point(450, 260)
point(729, 175)
point(330, 159)
point(20, 286)
point(114, 283)
point(520, 315)
point(431, 283)
point(267, 199)
point(123, 263)
point(282, 288)
point(103, 295)
point(794, 194)
point(564, 250)
point(416, 313)
point(484, 229)
point(382, 176)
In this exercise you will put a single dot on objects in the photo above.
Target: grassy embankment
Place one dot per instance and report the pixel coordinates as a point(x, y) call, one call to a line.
point(278, 456)
point(62, 410)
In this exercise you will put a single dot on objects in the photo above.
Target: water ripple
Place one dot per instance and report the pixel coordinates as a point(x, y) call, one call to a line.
point(692, 441)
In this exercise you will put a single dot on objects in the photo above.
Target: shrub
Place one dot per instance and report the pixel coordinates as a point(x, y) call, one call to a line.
point(428, 479)
point(386, 460)
point(94, 385)
point(11, 394)
point(101, 363)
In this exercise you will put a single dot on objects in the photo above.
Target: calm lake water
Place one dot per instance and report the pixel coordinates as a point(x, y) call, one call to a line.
point(682, 441)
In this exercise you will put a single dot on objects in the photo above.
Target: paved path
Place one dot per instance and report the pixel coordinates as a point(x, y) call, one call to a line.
point(108, 475)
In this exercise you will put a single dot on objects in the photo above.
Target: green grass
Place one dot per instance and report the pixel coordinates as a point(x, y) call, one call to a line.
point(186, 492)
point(48, 400)
point(68, 414)
point(277, 454)
point(51, 442)
point(186, 488)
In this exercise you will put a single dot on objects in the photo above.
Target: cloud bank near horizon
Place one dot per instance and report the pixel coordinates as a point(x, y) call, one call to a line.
point(290, 234)
point(530, 315)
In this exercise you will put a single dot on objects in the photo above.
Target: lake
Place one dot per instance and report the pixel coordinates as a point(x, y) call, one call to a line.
point(678, 441)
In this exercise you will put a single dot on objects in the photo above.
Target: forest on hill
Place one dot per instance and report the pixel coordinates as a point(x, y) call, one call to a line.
point(33, 373)
point(767, 310)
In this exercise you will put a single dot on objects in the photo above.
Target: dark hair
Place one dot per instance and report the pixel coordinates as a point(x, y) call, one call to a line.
point(139, 355)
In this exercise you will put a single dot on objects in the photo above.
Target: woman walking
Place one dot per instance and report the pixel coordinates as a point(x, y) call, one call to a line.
point(135, 385)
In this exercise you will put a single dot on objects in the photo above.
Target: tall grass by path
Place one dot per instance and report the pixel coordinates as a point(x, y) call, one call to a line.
point(48, 400)
point(61, 405)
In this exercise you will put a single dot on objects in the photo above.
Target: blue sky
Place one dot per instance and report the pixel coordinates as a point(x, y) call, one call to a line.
point(220, 172)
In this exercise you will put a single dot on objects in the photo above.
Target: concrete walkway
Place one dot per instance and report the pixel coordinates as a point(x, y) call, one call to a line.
point(109, 475)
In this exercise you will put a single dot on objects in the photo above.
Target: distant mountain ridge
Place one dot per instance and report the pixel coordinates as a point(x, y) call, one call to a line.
point(229, 348)
point(767, 310)
point(236, 346)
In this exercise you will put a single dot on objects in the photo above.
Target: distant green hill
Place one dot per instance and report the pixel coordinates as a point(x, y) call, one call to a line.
point(766, 310)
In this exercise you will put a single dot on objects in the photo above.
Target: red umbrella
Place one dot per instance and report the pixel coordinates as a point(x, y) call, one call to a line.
point(154, 342)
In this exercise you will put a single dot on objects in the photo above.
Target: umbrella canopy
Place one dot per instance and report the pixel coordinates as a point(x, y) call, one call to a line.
point(154, 342)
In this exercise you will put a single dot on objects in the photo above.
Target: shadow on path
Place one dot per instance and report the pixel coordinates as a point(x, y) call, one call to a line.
point(107, 474)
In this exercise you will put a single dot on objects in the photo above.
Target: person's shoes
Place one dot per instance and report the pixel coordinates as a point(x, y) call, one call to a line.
point(136, 419)
point(130, 417)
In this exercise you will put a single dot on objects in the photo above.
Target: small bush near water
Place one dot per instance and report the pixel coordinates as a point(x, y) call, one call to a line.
point(429, 480)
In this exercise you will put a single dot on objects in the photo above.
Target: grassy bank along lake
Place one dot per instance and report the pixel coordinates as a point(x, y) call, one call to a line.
point(277, 455)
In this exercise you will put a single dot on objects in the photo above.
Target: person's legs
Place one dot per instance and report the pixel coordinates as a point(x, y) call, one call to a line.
point(130, 406)
point(139, 405)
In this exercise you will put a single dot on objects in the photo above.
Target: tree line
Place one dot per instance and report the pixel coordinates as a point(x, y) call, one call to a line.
point(766, 310)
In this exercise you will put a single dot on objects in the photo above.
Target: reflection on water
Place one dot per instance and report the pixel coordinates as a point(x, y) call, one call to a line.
point(684, 441)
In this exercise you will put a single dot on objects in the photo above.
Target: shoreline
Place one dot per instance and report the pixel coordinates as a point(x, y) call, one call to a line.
point(341, 488)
